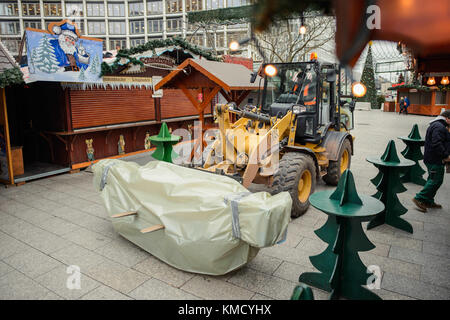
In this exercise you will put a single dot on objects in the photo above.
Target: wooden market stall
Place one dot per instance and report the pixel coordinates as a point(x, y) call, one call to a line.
point(424, 100)
point(429, 94)
point(11, 151)
point(63, 127)
point(201, 81)
point(70, 126)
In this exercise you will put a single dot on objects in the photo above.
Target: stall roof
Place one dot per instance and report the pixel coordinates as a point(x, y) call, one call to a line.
point(228, 76)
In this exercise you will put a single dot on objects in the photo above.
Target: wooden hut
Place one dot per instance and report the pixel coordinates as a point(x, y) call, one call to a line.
point(206, 79)
point(62, 127)
point(425, 100)
point(11, 159)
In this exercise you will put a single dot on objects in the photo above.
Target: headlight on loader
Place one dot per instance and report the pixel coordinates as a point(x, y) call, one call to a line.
point(270, 70)
point(359, 90)
point(298, 109)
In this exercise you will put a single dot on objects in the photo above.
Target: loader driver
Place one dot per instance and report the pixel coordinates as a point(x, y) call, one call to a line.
point(302, 91)
point(309, 90)
point(307, 94)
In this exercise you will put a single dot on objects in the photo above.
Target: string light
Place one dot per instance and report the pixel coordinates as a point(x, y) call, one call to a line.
point(431, 81)
point(303, 28)
point(234, 45)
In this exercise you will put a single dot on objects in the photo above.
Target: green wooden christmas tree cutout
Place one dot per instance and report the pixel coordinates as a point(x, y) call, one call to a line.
point(341, 270)
point(388, 185)
point(164, 142)
point(302, 292)
point(413, 152)
point(346, 191)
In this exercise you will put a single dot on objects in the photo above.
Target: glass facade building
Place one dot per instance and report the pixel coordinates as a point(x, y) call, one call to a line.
point(120, 23)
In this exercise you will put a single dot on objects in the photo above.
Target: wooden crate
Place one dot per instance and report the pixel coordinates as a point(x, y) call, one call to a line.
point(17, 160)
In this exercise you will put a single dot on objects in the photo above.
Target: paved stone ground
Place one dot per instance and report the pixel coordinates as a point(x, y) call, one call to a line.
point(49, 224)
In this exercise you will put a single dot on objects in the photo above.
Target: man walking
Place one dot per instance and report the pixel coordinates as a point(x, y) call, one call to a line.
point(401, 105)
point(407, 103)
point(436, 154)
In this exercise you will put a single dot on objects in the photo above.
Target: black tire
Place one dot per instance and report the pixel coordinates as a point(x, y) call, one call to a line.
point(334, 168)
point(292, 167)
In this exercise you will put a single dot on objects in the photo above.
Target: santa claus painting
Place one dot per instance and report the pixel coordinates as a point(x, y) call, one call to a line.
point(69, 51)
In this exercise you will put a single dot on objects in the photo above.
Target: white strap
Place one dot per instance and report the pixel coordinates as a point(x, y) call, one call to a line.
point(234, 199)
point(105, 175)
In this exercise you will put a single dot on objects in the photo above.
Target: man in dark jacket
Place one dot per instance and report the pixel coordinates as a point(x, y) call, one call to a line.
point(407, 104)
point(401, 105)
point(435, 156)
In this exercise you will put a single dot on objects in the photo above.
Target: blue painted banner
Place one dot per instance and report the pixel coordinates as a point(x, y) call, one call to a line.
point(61, 54)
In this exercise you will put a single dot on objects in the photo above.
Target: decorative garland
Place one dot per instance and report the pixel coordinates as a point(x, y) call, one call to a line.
point(444, 87)
point(11, 77)
point(152, 45)
point(224, 16)
point(411, 86)
point(440, 87)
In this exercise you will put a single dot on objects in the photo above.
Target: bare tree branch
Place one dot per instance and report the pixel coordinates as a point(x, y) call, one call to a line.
point(283, 42)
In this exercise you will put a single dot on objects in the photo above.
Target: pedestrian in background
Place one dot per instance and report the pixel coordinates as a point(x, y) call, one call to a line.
point(401, 105)
point(436, 156)
point(407, 103)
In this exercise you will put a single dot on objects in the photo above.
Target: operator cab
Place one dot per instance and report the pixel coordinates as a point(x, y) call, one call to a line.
point(306, 88)
point(295, 84)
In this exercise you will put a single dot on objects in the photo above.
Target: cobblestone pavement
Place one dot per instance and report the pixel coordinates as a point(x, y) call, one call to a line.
point(49, 224)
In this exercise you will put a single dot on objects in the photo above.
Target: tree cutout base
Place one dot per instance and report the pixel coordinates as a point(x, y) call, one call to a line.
point(302, 292)
point(341, 270)
point(413, 152)
point(164, 142)
point(389, 185)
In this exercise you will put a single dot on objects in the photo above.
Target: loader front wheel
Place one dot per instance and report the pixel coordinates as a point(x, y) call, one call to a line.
point(337, 168)
point(296, 175)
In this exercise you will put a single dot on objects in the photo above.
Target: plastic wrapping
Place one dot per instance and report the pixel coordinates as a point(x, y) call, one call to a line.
point(212, 224)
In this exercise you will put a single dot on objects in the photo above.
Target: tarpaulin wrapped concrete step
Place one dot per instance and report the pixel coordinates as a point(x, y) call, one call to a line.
point(198, 221)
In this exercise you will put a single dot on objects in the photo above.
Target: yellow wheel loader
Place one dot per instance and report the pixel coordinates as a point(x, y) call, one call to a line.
point(300, 132)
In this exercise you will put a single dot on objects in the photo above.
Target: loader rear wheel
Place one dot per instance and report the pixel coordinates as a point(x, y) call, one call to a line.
point(336, 168)
point(296, 175)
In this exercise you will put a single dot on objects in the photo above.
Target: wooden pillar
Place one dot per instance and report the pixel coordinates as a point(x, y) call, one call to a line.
point(226, 95)
point(5, 133)
point(433, 98)
point(244, 94)
point(157, 106)
point(68, 110)
point(201, 114)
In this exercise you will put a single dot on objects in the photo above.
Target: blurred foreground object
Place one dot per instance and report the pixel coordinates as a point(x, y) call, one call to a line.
point(421, 25)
